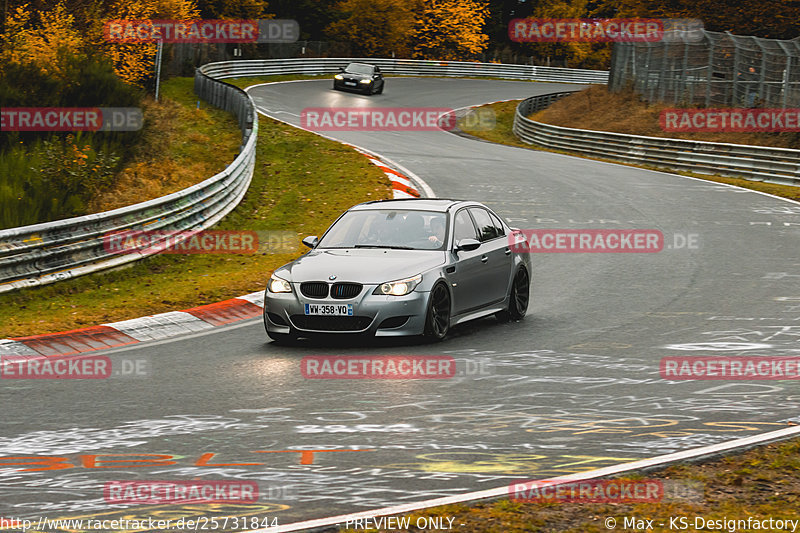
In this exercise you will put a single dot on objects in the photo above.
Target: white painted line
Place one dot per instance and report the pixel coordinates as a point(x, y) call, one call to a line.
point(11, 347)
point(399, 179)
point(504, 490)
point(15, 349)
point(181, 336)
point(256, 298)
point(401, 195)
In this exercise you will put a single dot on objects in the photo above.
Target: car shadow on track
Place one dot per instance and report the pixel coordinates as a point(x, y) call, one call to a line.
point(336, 342)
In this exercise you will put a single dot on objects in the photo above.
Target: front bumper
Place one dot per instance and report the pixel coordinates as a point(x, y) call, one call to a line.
point(343, 85)
point(377, 315)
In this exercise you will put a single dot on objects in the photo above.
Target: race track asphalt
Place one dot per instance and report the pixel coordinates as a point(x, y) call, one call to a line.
point(572, 387)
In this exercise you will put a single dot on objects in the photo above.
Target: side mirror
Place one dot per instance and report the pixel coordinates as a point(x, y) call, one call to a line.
point(467, 245)
point(311, 241)
point(341, 69)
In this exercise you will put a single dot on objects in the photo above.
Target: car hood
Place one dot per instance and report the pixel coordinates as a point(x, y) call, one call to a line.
point(355, 76)
point(367, 265)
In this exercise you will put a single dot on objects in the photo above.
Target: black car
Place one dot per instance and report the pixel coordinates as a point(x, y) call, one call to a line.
point(359, 77)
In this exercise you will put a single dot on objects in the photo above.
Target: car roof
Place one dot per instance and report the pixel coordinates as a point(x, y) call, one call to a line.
point(416, 204)
point(364, 64)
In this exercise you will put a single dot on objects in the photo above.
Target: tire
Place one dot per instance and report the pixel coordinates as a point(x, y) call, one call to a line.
point(368, 91)
point(518, 298)
point(380, 91)
point(437, 318)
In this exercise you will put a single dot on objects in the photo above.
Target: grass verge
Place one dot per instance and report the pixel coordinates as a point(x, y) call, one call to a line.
point(183, 144)
point(502, 134)
point(302, 182)
point(761, 483)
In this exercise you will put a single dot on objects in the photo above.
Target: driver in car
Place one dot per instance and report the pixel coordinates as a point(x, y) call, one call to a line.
point(437, 231)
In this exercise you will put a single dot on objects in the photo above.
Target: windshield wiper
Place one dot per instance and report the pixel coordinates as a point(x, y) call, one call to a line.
point(391, 247)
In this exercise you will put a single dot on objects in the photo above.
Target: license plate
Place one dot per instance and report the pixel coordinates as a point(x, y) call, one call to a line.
point(329, 309)
point(350, 83)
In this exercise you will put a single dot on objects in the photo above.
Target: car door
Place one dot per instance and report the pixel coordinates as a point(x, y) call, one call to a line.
point(495, 256)
point(465, 275)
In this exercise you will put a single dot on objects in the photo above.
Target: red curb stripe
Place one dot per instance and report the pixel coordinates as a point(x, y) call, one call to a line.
point(396, 185)
point(390, 171)
point(225, 312)
point(76, 341)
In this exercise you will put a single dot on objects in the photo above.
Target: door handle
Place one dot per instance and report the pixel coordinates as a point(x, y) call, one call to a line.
point(484, 258)
point(508, 251)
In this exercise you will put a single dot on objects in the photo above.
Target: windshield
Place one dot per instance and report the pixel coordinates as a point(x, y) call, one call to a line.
point(388, 228)
point(358, 68)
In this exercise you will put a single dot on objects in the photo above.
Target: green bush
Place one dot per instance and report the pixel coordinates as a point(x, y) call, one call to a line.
point(47, 176)
point(52, 179)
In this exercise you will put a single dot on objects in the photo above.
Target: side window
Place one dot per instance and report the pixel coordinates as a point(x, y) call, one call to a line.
point(464, 228)
point(486, 228)
point(497, 224)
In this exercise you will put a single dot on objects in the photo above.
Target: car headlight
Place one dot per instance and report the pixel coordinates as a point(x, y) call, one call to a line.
point(365, 81)
point(277, 284)
point(339, 77)
point(400, 287)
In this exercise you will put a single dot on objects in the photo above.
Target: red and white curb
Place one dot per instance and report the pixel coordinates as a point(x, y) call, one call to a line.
point(126, 332)
point(405, 184)
point(402, 186)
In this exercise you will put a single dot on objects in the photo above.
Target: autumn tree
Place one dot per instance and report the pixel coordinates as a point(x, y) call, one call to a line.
point(135, 62)
point(40, 40)
point(233, 9)
point(46, 39)
point(449, 29)
point(773, 19)
point(572, 54)
point(374, 28)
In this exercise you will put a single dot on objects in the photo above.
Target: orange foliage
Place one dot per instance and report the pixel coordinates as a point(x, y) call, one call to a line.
point(47, 39)
point(449, 29)
point(374, 27)
point(42, 40)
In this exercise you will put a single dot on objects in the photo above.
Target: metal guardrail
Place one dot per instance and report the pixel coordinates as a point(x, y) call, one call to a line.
point(55, 251)
point(758, 163)
point(406, 67)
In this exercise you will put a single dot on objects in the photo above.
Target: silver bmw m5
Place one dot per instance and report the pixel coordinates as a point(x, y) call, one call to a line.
point(401, 267)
